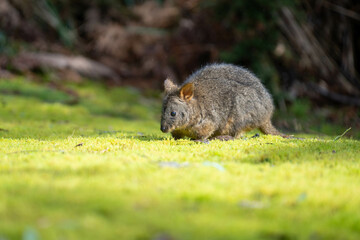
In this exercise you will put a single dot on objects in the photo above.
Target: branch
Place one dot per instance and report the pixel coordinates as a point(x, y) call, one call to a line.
point(313, 55)
point(343, 11)
point(84, 66)
point(334, 96)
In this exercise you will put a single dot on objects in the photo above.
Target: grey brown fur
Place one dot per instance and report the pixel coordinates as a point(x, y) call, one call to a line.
point(217, 100)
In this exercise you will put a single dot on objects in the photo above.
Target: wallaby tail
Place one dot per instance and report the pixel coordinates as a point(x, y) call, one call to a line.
point(268, 128)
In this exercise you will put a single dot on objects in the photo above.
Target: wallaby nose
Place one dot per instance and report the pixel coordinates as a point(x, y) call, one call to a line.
point(163, 128)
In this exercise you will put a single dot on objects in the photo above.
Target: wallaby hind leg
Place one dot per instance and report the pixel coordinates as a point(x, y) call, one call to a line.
point(268, 128)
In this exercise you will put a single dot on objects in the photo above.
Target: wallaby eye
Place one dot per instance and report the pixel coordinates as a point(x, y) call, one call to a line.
point(173, 114)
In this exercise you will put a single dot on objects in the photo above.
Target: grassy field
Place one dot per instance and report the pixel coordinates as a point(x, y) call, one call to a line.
point(101, 169)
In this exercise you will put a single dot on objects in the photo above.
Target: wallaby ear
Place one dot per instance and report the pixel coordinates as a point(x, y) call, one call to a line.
point(169, 85)
point(187, 92)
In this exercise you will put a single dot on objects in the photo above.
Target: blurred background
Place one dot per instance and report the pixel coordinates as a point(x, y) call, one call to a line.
point(306, 52)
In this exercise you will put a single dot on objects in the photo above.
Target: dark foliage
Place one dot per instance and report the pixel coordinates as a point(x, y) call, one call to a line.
point(146, 41)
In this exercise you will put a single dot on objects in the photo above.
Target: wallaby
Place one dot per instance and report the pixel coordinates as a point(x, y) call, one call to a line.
point(217, 100)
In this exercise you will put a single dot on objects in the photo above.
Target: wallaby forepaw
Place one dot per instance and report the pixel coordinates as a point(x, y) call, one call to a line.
point(255, 136)
point(223, 138)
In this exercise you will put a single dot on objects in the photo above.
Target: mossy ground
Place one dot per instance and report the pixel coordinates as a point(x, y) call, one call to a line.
point(101, 169)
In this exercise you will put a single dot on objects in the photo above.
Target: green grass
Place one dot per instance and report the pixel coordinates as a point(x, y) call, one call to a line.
point(101, 169)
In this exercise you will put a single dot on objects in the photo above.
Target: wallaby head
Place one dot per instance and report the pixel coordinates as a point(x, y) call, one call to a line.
point(177, 105)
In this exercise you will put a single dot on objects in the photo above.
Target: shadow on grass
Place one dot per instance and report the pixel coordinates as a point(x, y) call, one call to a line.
point(124, 103)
